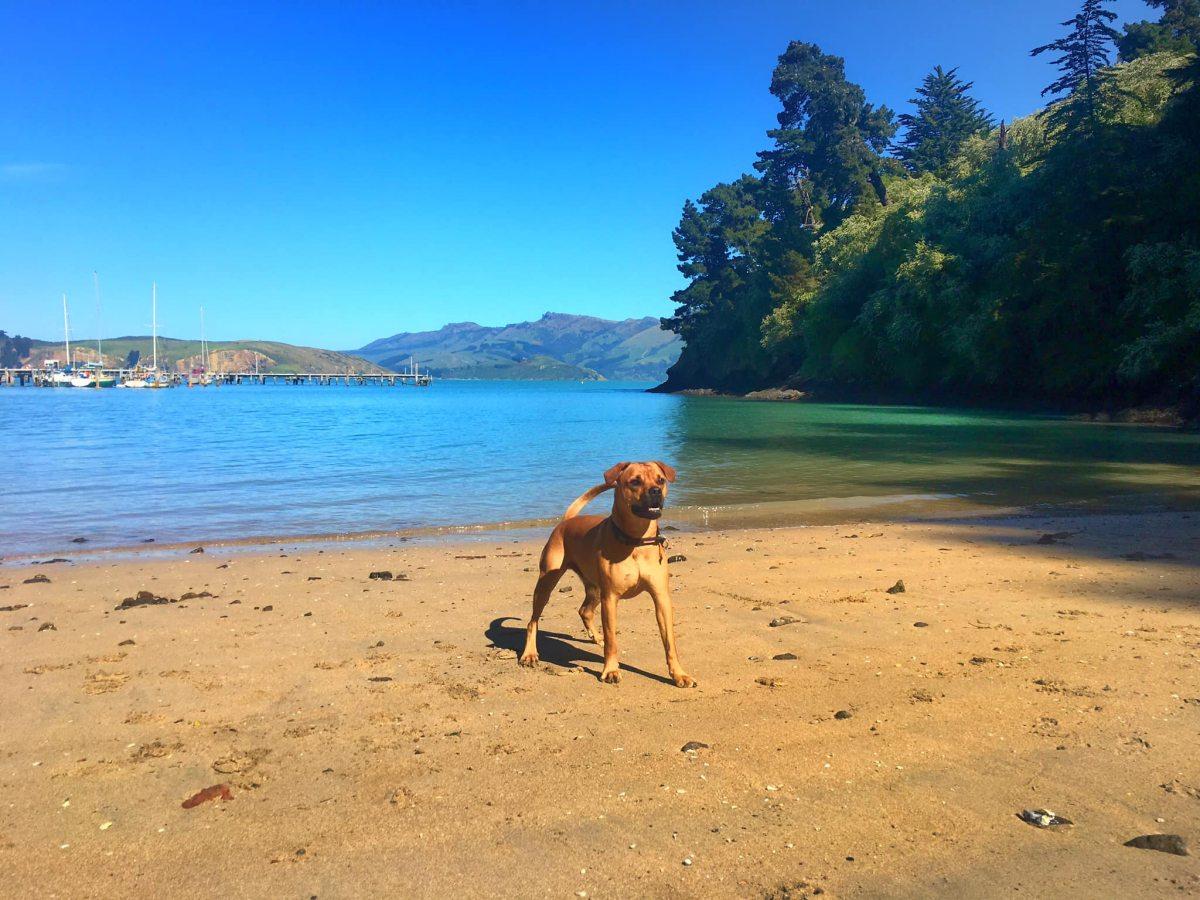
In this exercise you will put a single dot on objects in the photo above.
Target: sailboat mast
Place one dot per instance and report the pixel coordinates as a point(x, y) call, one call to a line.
point(203, 344)
point(66, 333)
point(99, 324)
point(154, 321)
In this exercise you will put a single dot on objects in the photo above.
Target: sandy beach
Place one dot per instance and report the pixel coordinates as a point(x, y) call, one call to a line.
point(378, 737)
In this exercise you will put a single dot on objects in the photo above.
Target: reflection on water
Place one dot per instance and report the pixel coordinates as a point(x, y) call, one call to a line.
point(120, 467)
point(739, 452)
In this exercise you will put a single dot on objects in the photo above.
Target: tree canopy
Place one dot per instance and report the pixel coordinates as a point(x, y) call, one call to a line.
point(1054, 261)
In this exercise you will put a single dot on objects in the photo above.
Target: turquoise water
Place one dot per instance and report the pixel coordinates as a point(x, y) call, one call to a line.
point(230, 463)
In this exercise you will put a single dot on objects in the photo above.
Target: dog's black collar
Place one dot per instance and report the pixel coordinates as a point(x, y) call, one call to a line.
point(635, 542)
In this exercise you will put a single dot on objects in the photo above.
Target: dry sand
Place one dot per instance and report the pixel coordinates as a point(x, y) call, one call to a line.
point(379, 737)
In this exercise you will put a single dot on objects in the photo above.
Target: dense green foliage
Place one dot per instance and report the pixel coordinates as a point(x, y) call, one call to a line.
point(1178, 31)
point(1053, 260)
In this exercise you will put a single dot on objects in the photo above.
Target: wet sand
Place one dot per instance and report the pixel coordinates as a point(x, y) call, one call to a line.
point(378, 737)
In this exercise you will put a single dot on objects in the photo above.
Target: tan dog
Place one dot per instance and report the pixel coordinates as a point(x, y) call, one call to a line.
point(617, 557)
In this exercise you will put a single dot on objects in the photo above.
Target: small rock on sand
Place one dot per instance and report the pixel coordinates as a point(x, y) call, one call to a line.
point(196, 550)
point(843, 714)
point(144, 598)
point(784, 620)
point(897, 588)
point(1164, 843)
point(693, 746)
point(678, 557)
point(784, 656)
point(47, 626)
point(1054, 537)
point(381, 576)
point(37, 579)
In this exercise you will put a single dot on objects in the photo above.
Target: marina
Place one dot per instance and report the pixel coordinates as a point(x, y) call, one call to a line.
point(52, 377)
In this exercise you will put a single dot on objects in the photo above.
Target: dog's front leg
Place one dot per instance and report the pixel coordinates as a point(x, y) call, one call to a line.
point(608, 621)
point(661, 593)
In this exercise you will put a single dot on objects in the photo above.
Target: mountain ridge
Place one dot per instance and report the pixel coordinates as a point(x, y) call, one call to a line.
point(558, 346)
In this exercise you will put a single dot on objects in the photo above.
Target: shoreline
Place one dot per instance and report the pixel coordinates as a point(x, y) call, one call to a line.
point(379, 733)
point(1171, 415)
point(911, 508)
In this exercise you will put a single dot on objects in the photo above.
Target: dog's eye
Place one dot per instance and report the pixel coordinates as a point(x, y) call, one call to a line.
point(635, 482)
point(662, 481)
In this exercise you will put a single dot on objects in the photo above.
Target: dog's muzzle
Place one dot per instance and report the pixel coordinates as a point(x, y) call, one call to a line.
point(650, 506)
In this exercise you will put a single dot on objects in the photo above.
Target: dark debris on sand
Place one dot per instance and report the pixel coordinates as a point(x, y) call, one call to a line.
point(144, 598)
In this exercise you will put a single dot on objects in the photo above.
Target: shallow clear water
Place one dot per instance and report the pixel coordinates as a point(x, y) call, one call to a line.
point(233, 462)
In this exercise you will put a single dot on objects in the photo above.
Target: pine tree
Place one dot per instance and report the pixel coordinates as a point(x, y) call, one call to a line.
point(1084, 54)
point(946, 116)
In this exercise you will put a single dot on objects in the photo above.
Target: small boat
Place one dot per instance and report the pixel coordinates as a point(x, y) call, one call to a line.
point(91, 375)
point(147, 379)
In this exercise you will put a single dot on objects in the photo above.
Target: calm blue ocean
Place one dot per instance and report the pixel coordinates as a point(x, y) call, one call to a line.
point(232, 463)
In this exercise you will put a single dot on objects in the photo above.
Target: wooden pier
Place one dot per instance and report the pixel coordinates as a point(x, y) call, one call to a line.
point(41, 378)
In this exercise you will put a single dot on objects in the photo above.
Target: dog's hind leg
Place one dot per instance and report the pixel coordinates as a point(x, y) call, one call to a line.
point(541, 596)
point(587, 611)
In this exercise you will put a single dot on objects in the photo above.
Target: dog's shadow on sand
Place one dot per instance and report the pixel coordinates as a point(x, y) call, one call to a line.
point(556, 649)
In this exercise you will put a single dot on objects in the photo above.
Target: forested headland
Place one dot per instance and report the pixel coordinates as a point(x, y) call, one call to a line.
point(942, 255)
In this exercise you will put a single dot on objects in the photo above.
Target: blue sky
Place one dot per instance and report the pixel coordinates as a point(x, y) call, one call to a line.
point(329, 173)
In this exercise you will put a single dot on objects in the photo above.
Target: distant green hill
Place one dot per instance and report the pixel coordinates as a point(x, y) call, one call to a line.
point(557, 347)
point(224, 356)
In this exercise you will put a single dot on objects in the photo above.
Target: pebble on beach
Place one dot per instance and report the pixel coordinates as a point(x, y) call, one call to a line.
point(1163, 843)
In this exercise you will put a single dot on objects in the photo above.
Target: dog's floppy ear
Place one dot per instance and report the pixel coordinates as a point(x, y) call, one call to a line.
point(667, 470)
point(611, 476)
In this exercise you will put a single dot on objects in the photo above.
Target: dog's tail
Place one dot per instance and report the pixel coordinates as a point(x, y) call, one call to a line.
point(584, 499)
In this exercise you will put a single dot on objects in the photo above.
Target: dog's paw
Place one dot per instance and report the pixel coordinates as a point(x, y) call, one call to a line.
point(683, 680)
point(591, 635)
point(611, 676)
point(529, 660)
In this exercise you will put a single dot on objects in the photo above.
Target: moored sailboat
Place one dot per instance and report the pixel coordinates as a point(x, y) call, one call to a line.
point(151, 378)
point(62, 377)
point(92, 374)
